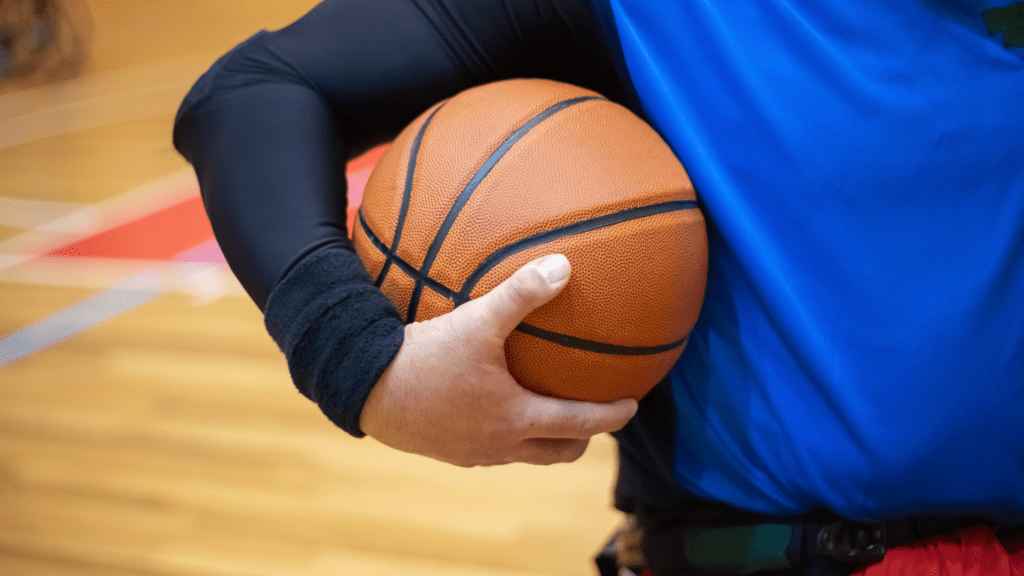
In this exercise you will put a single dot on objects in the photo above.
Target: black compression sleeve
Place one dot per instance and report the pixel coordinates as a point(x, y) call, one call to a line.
point(269, 127)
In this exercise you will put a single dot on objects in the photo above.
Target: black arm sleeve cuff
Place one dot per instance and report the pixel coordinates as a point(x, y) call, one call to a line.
point(338, 332)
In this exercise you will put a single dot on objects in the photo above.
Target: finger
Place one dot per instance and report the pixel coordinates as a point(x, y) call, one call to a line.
point(545, 451)
point(545, 417)
point(530, 287)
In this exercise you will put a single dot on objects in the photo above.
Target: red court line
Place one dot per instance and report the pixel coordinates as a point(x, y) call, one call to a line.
point(366, 159)
point(172, 231)
point(161, 235)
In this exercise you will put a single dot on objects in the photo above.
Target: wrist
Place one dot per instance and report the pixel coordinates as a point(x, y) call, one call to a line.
point(337, 331)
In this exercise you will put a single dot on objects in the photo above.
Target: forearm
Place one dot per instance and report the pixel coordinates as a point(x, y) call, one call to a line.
point(269, 127)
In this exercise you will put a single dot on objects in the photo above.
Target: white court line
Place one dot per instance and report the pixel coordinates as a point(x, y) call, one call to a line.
point(206, 281)
point(24, 214)
point(21, 260)
point(104, 306)
point(93, 219)
point(96, 100)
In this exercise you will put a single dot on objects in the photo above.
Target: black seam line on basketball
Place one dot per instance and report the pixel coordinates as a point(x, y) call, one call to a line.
point(592, 346)
point(482, 173)
point(485, 266)
point(410, 171)
point(405, 266)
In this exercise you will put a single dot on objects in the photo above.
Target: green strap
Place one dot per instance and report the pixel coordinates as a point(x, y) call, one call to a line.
point(738, 550)
point(1009, 20)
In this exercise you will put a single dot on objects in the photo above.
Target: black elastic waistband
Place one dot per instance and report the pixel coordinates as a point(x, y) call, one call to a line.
point(715, 540)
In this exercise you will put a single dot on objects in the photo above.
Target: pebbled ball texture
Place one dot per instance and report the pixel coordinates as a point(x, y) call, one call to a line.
point(504, 173)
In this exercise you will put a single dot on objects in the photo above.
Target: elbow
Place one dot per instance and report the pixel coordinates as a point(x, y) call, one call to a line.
point(247, 65)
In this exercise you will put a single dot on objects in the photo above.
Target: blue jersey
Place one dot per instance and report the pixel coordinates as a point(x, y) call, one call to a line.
point(861, 165)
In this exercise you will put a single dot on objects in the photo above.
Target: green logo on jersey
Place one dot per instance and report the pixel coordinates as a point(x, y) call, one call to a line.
point(1009, 20)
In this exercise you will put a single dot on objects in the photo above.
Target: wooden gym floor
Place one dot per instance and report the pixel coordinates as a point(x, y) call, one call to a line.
point(147, 422)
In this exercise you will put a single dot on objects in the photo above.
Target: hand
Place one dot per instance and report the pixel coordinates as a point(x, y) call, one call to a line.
point(448, 394)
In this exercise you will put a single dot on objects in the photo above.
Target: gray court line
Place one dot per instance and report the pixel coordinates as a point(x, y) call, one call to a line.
point(115, 301)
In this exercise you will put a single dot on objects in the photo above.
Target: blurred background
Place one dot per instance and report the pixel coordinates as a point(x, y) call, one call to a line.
point(147, 422)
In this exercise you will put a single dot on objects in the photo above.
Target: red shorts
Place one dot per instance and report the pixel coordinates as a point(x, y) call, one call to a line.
point(972, 551)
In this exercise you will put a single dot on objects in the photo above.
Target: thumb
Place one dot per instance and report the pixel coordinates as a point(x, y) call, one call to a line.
point(530, 287)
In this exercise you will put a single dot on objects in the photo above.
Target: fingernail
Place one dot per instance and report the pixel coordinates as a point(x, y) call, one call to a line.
point(554, 268)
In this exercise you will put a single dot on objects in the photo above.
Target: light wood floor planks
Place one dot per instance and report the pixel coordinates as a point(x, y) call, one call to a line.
point(169, 440)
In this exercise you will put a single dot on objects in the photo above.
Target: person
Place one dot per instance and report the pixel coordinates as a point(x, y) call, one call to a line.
point(855, 381)
point(43, 41)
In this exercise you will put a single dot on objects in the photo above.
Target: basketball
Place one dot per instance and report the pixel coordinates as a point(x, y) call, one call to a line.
point(504, 173)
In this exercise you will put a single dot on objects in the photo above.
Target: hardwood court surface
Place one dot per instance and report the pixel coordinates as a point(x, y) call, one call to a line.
point(154, 429)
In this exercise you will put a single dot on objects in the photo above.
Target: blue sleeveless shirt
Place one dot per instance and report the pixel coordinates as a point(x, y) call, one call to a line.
point(861, 165)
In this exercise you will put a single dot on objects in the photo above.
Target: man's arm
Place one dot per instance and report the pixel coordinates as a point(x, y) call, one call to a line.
point(269, 127)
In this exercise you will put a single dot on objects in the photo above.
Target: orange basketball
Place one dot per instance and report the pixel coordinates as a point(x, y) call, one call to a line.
point(505, 173)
